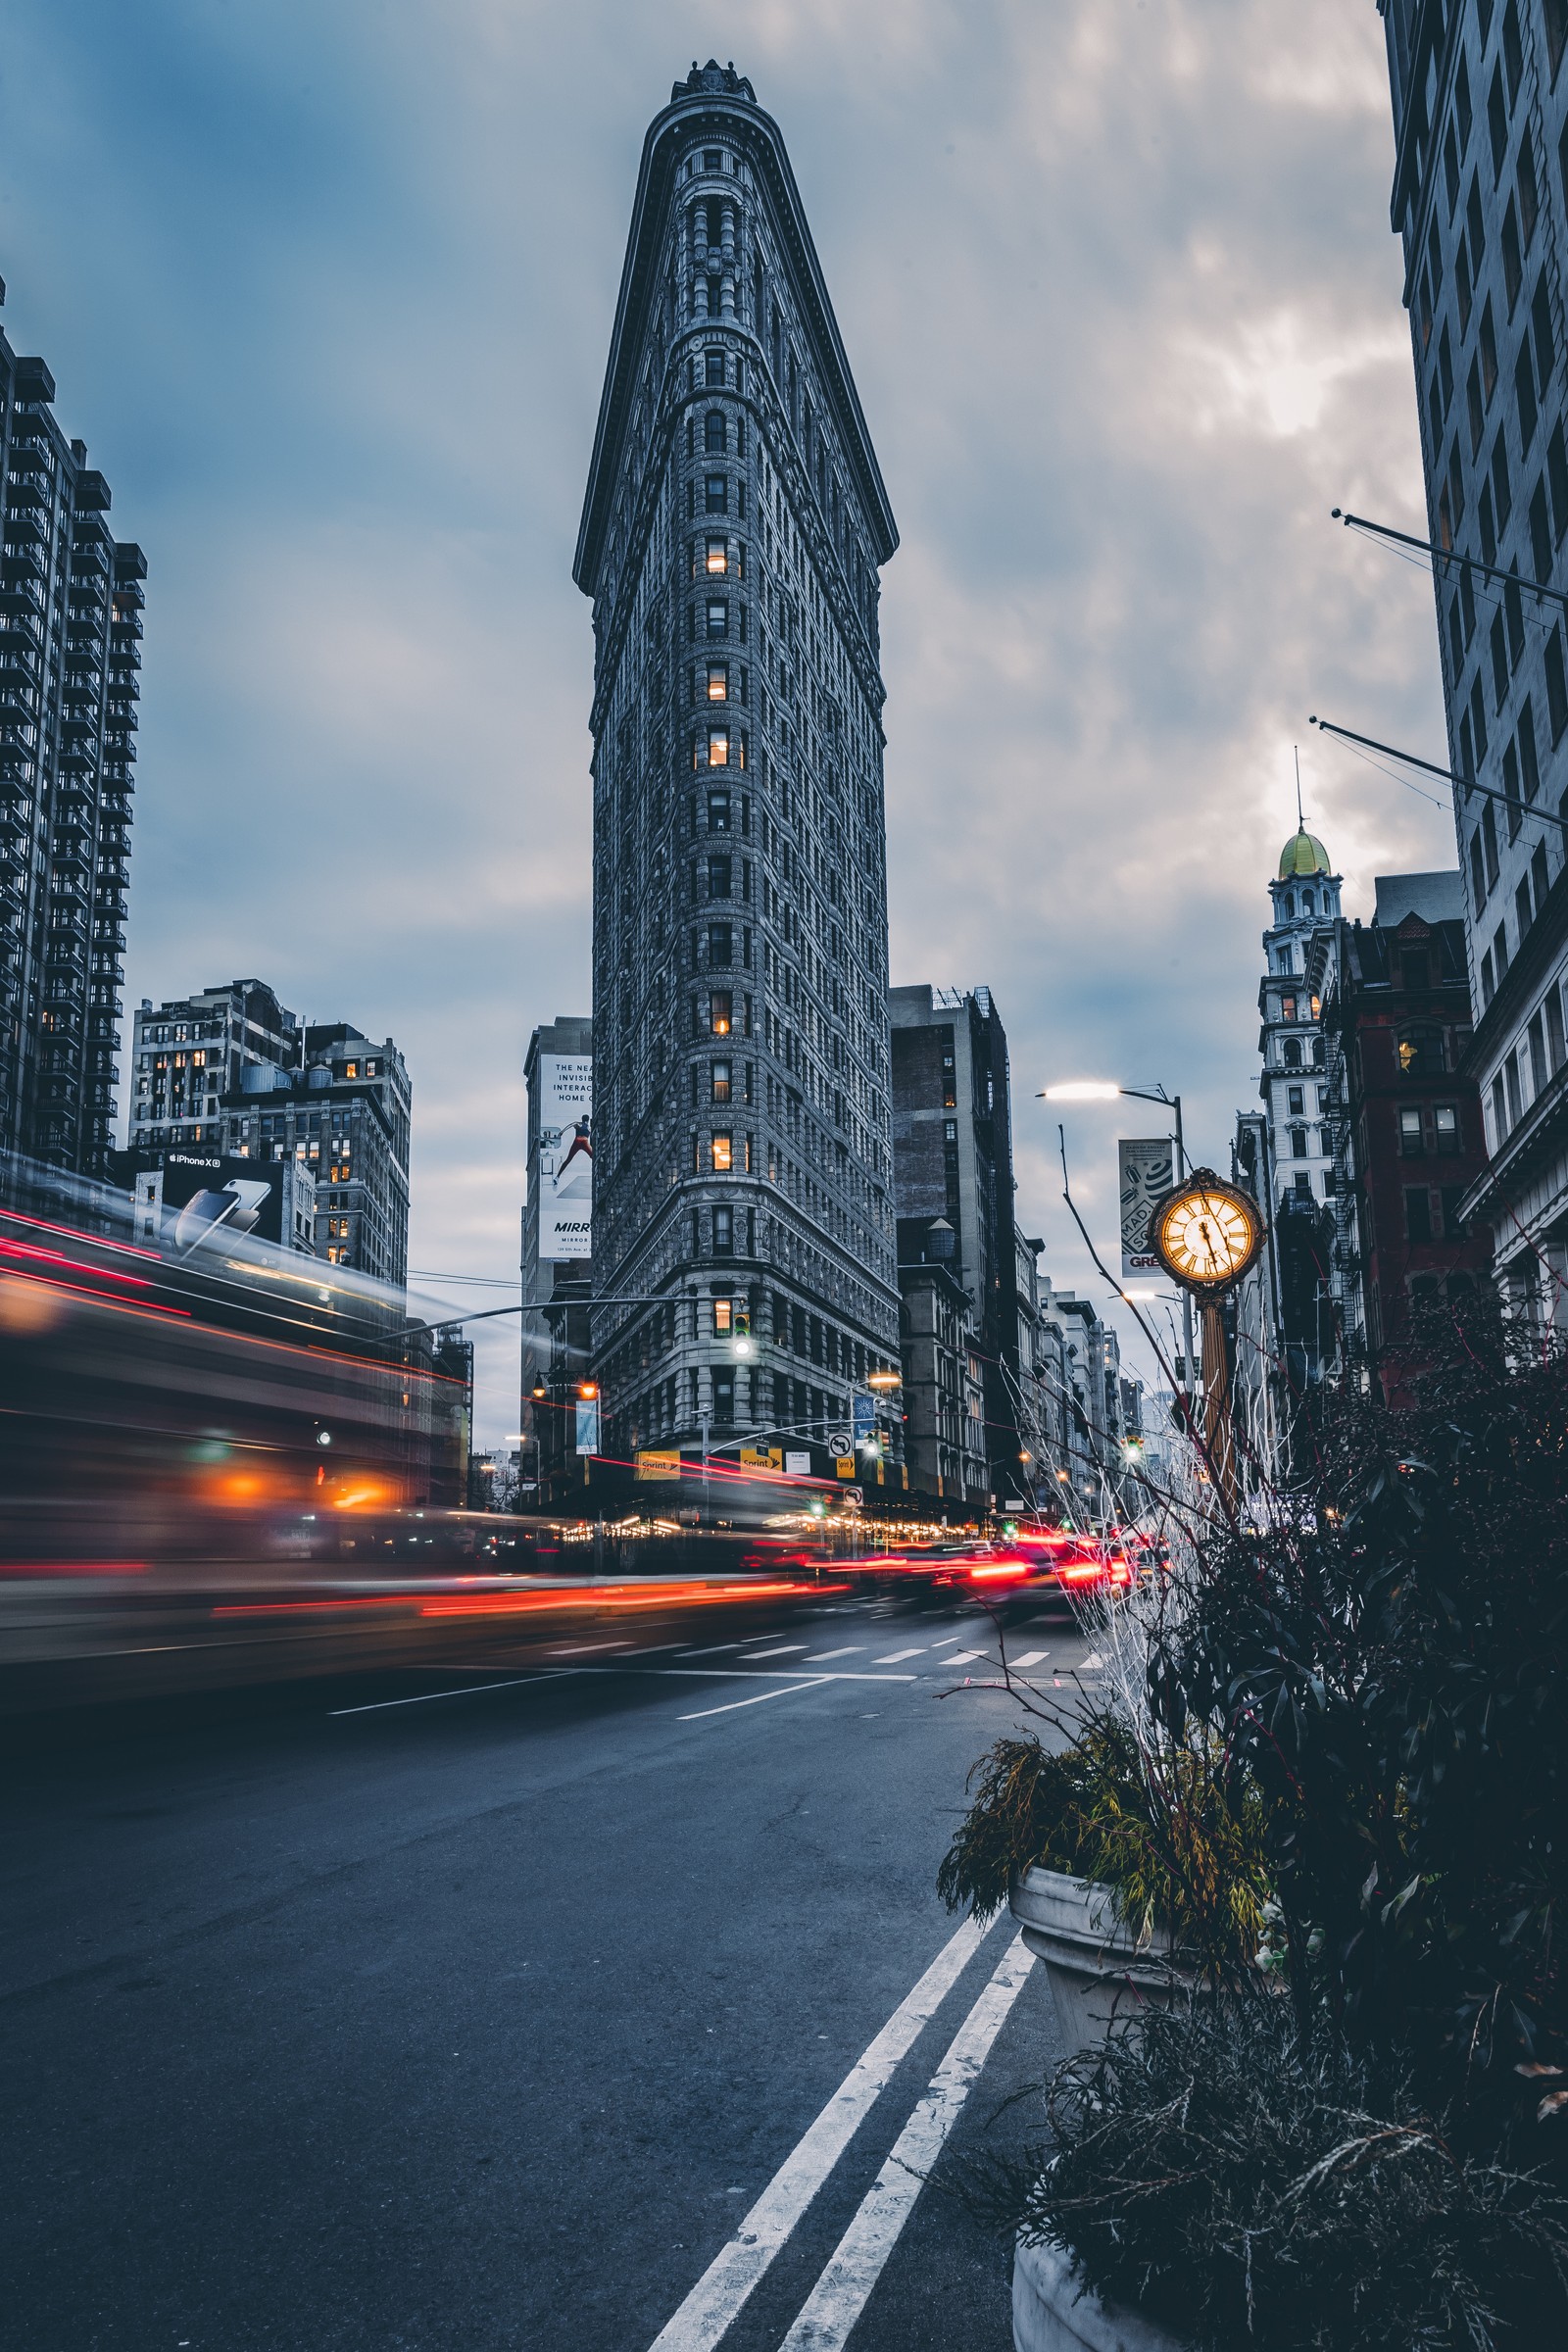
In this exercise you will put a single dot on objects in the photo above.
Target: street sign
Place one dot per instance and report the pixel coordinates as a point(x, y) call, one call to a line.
point(657, 1465)
point(863, 1408)
point(1146, 1175)
point(839, 1441)
point(798, 1466)
point(844, 1465)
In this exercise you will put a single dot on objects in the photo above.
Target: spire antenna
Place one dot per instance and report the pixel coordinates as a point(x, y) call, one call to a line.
point(1300, 822)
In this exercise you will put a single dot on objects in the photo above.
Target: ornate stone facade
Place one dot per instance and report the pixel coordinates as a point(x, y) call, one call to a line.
point(733, 530)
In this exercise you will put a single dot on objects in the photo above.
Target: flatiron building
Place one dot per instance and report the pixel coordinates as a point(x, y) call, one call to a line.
point(732, 535)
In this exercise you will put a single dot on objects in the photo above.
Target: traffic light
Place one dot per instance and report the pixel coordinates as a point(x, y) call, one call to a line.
point(741, 1333)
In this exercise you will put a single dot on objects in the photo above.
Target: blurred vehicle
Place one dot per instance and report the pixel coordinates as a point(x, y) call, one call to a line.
point(224, 1460)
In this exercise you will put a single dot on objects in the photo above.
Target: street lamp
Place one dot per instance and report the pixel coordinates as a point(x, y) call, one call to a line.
point(1101, 1089)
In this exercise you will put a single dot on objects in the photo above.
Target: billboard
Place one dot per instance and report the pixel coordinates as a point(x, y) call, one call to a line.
point(195, 1199)
point(1147, 1170)
point(566, 1156)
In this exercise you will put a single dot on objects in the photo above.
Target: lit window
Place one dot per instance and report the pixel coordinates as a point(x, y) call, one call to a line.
point(351, 1069)
point(1446, 1119)
point(718, 747)
point(1317, 1008)
point(718, 555)
point(724, 1156)
point(1286, 1008)
point(718, 681)
point(724, 1315)
point(720, 1012)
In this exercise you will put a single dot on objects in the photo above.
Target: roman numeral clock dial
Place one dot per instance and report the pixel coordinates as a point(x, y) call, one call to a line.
point(1206, 1233)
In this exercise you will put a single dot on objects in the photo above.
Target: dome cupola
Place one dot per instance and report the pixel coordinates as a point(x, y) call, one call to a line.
point(1303, 855)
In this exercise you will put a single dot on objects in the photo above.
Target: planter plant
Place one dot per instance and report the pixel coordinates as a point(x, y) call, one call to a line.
point(1336, 1783)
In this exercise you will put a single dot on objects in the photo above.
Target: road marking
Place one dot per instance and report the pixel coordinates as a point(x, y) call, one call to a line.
point(855, 1649)
point(1031, 1657)
point(785, 1650)
point(714, 2301)
point(840, 2296)
point(783, 1691)
point(947, 1640)
point(585, 1649)
point(896, 1657)
point(713, 1650)
point(968, 1657)
point(469, 1690)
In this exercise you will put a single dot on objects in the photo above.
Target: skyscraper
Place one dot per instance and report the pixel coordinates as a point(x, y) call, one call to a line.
point(70, 602)
point(1481, 204)
point(732, 533)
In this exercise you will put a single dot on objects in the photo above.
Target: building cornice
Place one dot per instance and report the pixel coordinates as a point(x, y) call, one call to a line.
point(755, 134)
point(1541, 1132)
point(1504, 1015)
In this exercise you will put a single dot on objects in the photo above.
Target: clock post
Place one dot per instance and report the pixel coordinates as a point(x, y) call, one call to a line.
point(1206, 1234)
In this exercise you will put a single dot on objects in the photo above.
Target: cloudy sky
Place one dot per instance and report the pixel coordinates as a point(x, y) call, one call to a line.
point(326, 286)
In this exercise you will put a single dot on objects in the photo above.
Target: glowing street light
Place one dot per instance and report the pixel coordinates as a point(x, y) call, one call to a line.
point(1082, 1089)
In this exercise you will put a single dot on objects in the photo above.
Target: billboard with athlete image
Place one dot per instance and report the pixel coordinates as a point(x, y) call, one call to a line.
point(566, 1156)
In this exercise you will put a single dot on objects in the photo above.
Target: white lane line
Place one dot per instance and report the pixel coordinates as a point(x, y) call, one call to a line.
point(782, 1690)
point(585, 1649)
point(1031, 1657)
point(469, 1690)
point(713, 1649)
point(785, 1650)
point(968, 1657)
point(896, 1657)
point(840, 2296)
point(947, 1640)
point(714, 2302)
point(855, 1649)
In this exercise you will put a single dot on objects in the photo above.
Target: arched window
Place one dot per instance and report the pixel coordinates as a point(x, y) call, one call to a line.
point(1307, 902)
point(1317, 1052)
point(1293, 1053)
point(715, 436)
point(1290, 903)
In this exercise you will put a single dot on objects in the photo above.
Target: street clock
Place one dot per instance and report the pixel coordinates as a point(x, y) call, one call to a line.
point(1204, 1233)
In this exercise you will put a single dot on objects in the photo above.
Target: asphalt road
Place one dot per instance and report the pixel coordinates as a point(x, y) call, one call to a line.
point(485, 2021)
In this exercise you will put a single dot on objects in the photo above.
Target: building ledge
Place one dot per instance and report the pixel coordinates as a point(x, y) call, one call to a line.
point(1542, 1130)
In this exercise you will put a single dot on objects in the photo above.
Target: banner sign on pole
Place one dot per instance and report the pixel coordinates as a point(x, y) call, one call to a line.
point(1147, 1171)
point(587, 1425)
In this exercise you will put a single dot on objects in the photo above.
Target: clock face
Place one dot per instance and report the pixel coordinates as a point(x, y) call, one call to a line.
point(1206, 1234)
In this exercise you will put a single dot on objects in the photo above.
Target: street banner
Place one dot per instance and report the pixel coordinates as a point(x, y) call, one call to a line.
point(587, 1425)
point(1147, 1171)
point(565, 1155)
point(863, 1409)
point(657, 1465)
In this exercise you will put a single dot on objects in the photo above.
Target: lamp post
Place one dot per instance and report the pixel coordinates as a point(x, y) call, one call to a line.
point(1099, 1090)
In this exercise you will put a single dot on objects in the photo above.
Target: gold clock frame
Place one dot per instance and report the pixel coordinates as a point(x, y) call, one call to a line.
point(1204, 1180)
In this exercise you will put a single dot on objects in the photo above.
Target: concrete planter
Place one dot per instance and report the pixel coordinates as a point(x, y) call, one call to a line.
point(1100, 1973)
point(1052, 2311)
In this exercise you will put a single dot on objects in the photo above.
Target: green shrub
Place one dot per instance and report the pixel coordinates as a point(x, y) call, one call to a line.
point(1249, 2191)
point(1155, 1820)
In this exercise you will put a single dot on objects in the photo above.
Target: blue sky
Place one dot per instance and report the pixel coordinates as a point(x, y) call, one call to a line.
point(327, 290)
